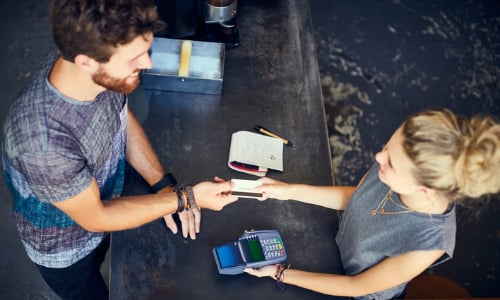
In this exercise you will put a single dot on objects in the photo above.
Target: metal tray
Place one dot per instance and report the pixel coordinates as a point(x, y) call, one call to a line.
point(206, 67)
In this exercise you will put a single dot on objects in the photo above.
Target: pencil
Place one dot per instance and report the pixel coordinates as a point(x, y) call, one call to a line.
point(265, 131)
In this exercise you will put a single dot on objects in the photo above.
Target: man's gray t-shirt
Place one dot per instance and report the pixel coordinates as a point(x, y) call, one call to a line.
point(53, 146)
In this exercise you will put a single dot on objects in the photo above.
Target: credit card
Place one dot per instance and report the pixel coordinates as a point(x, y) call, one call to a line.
point(244, 188)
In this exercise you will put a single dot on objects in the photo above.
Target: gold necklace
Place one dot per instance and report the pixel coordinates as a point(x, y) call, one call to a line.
point(380, 209)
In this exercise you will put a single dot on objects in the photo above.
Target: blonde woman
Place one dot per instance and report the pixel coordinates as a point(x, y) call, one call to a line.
point(400, 219)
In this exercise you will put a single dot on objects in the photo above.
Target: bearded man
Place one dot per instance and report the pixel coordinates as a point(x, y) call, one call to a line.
point(68, 136)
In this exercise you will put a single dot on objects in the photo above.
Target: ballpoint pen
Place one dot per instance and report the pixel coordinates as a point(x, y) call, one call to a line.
point(265, 131)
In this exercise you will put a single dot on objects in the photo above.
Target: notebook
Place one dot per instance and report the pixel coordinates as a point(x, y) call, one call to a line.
point(254, 153)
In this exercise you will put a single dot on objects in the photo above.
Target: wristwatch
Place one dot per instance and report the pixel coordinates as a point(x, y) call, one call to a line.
point(167, 180)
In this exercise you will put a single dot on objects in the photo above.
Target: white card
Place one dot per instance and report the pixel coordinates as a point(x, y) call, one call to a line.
point(244, 188)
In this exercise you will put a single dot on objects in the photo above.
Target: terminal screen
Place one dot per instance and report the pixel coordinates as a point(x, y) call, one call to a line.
point(255, 250)
point(229, 256)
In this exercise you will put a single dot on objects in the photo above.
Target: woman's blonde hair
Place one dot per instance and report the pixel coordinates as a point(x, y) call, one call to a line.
point(455, 155)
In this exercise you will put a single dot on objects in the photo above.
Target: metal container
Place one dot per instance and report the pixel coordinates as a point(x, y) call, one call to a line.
point(206, 67)
point(220, 11)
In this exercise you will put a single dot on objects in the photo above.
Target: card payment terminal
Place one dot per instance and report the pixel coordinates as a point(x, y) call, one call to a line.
point(253, 249)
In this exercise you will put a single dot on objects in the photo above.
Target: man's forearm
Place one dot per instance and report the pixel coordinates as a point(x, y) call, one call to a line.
point(140, 153)
point(138, 210)
point(93, 214)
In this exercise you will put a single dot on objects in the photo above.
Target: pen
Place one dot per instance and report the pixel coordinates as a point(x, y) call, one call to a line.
point(262, 130)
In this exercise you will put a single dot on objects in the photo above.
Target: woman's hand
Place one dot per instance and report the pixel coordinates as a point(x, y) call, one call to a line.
point(274, 189)
point(267, 271)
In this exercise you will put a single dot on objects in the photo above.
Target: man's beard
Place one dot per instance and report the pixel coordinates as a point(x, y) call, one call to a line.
point(118, 85)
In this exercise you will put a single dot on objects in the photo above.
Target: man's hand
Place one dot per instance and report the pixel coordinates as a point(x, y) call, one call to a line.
point(170, 222)
point(213, 195)
point(217, 194)
point(190, 220)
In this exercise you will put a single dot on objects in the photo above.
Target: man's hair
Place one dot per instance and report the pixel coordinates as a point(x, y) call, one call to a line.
point(95, 27)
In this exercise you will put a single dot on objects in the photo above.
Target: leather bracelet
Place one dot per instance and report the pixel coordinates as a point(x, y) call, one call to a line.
point(191, 200)
point(185, 197)
point(167, 180)
point(280, 272)
point(180, 202)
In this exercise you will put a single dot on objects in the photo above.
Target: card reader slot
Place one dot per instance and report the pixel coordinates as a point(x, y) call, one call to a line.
point(242, 251)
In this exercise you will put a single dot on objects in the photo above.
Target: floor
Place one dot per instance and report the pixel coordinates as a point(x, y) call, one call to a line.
point(379, 61)
point(382, 60)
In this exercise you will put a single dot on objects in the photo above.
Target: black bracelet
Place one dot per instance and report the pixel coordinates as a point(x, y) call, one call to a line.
point(167, 180)
point(185, 197)
point(180, 202)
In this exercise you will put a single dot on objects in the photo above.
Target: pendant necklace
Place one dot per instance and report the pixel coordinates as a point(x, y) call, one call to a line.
point(380, 209)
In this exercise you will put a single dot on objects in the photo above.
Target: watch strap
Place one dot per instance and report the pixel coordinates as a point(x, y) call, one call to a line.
point(167, 180)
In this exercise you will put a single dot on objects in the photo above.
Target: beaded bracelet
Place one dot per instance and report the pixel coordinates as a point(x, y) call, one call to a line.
point(185, 198)
point(280, 275)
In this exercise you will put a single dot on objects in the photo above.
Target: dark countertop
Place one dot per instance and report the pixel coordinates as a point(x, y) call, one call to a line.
point(271, 79)
point(421, 53)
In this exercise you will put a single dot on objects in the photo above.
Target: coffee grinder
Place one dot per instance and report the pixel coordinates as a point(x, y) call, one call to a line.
point(220, 22)
point(200, 20)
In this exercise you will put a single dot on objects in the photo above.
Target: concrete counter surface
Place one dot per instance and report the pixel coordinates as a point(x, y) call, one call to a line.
point(271, 79)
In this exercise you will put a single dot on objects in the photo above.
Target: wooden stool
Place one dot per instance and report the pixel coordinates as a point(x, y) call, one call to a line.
point(427, 286)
